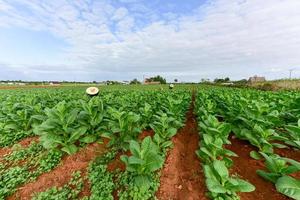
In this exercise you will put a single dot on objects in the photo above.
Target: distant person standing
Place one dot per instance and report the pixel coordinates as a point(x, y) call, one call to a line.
point(171, 86)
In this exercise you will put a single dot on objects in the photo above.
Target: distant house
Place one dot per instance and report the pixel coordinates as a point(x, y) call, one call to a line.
point(226, 84)
point(125, 82)
point(257, 79)
point(150, 82)
point(54, 83)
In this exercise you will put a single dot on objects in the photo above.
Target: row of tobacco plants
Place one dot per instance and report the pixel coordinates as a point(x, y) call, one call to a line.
point(66, 120)
point(267, 120)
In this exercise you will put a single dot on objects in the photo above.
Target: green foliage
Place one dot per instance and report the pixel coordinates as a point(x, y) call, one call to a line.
point(215, 129)
point(135, 82)
point(221, 185)
point(92, 117)
point(212, 149)
point(11, 178)
point(288, 186)
point(24, 165)
point(130, 191)
point(61, 129)
point(145, 159)
point(277, 167)
point(165, 127)
point(125, 126)
point(158, 78)
point(69, 191)
point(293, 135)
point(102, 183)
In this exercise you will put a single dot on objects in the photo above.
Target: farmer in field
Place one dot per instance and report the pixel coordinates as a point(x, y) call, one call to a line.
point(92, 91)
point(171, 86)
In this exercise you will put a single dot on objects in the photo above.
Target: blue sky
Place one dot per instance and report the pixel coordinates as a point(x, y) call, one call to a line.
point(88, 40)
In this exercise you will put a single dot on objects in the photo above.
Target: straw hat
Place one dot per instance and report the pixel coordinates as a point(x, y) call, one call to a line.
point(92, 91)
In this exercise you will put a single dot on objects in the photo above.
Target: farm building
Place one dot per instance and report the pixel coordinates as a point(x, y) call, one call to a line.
point(257, 79)
point(150, 82)
point(54, 83)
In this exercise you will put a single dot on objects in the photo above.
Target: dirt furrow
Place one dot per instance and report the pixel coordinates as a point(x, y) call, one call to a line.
point(61, 174)
point(24, 143)
point(246, 167)
point(182, 177)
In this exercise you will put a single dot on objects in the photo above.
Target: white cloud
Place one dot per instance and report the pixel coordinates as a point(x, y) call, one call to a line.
point(222, 38)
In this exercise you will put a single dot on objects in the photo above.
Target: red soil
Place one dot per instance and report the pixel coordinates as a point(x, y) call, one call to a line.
point(61, 174)
point(182, 177)
point(246, 167)
point(24, 143)
point(86, 185)
point(117, 163)
point(146, 133)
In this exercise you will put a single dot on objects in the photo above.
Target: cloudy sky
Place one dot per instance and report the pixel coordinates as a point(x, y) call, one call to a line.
point(124, 39)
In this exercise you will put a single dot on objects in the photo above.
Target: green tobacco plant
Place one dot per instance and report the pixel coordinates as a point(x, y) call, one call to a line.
point(212, 149)
point(146, 113)
point(164, 127)
point(92, 117)
point(216, 129)
point(145, 159)
point(124, 126)
point(277, 167)
point(261, 138)
point(288, 186)
point(221, 185)
point(61, 129)
point(293, 135)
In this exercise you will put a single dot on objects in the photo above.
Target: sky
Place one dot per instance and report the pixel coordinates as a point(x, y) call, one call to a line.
point(97, 40)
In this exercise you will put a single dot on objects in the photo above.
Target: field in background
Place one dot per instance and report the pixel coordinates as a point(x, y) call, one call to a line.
point(145, 141)
point(283, 84)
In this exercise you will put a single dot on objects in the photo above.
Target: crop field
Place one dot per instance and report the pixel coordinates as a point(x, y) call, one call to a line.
point(149, 142)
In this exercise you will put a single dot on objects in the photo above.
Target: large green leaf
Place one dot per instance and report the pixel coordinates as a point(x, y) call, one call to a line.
point(215, 186)
point(272, 177)
point(88, 139)
point(142, 181)
point(221, 169)
point(70, 149)
point(135, 148)
point(147, 146)
point(240, 185)
point(289, 187)
point(153, 161)
point(77, 134)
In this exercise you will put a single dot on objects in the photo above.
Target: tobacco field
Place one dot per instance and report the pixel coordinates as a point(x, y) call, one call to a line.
point(139, 143)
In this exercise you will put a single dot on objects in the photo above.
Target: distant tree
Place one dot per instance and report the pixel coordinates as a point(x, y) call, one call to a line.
point(221, 80)
point(175, 80)
point(242, 81)
point(218, 80)
point(135, 82)
point(204, 80)
point(158, 78)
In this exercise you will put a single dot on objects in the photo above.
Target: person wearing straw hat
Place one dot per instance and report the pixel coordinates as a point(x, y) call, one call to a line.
point(92, 91)
point(171, 86)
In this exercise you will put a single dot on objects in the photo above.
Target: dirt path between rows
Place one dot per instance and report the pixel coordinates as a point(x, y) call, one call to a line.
point(182, 177)
point(61, 174)
point(24, 143)
point(246, 167)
